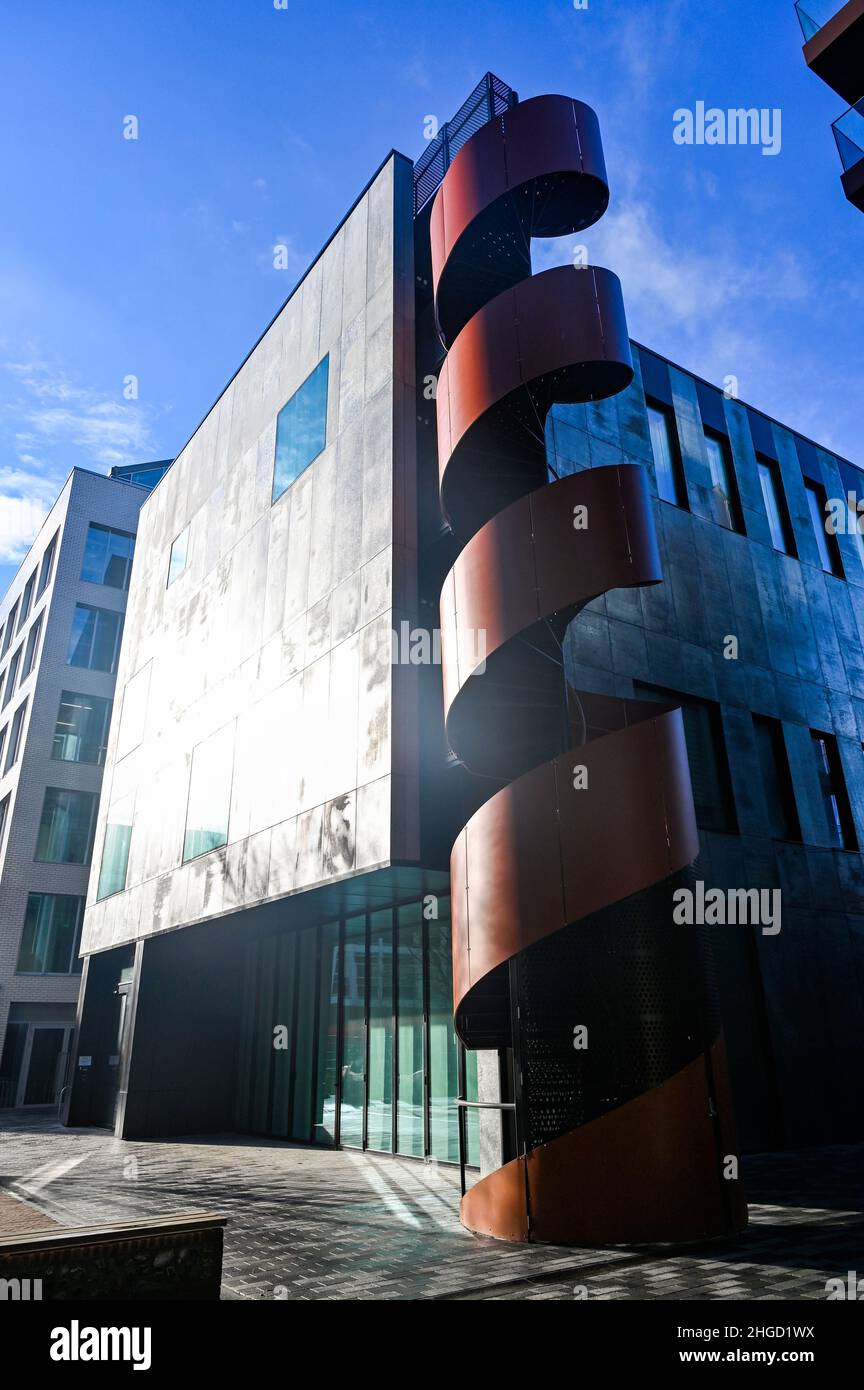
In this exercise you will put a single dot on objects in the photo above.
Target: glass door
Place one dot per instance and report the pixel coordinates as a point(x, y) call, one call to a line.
point(44, 1064)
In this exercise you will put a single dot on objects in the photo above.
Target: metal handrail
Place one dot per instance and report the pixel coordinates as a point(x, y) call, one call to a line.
point(850, 147)
point(487, 1104)
point(489, 99)
point(810, 25)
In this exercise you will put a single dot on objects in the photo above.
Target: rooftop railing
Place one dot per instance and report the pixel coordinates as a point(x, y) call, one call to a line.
point(849, 134)
point(491, 97)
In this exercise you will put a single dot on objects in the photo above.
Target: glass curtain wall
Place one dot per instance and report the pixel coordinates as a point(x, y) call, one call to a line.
point(347, 1036)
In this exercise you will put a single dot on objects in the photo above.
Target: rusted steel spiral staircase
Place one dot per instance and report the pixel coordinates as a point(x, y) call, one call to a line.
point(562, 880)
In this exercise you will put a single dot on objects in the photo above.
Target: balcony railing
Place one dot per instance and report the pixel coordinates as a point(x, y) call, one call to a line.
point(834, 47)
point(849, 134)
point(813, 15)
point(490, 98)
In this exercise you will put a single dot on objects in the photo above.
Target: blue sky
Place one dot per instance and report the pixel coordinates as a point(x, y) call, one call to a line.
point(259, 126)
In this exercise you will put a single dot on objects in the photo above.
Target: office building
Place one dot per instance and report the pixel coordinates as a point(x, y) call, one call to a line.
point(634, 575)
point(61, 625)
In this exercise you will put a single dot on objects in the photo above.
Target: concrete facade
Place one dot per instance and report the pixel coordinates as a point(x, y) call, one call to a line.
point(278, 629)
point(85, 498)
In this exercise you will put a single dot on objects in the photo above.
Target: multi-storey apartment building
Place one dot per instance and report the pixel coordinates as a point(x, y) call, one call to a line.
point(61, 624)
point(834, 50)
point(267, 940)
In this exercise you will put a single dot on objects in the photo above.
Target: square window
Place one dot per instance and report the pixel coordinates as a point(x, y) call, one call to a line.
point(94, 643)
point(66, 828)
point(301, 429)
point(108, 556)
point(81, 730)
point(52, 932)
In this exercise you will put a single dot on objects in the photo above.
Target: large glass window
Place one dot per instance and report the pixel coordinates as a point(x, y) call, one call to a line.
point(95, 640)
point(776, 779)
point(108, 556)
point(32, 648)
point(179, 557)
point(301, 429)
point(664, 444)
point(47, 567)
point(409, 1032)
point(12, 676)
point(328, 1035)
point(348, 1046)
point(826, 541)
point(115, 853)
point(81, 731)
point(209, 794)
point(134, 713)
point(380, 1098)
point(301, 1106)
point(706, 754)
point(835, 799)
point(52, 931)
point(16, 727)
point(66, 828)
point(724, 493)
point(775, 506)
point(443, 1054)
point(353, 1034)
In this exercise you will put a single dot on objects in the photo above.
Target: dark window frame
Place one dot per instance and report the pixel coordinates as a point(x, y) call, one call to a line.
point(736, 511)
point(832, 785)
point(772, 468)
point(679, 478)
point(817, 499)
point(725, 821)
point(772, 734)
point(46, 569)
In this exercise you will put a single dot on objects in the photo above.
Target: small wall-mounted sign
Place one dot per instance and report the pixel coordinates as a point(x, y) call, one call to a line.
point(114, 1061)
point(85, 1061)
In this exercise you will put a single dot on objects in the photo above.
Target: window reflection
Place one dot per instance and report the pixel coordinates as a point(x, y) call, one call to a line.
point(209, 794)
point(344, 1064)
point(108, 556)
point(301, 429)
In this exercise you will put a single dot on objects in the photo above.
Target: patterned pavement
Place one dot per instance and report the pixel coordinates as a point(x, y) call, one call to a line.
point(313, 1224)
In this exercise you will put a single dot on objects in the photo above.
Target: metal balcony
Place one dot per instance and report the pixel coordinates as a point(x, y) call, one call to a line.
point(834, 44)
point(849, 134)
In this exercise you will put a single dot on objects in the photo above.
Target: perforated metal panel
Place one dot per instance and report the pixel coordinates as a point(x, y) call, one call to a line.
point(638, 983)
point(489, 98)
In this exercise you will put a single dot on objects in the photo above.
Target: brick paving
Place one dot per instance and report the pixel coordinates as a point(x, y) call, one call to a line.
point(313, 1224)
point(18, 1218)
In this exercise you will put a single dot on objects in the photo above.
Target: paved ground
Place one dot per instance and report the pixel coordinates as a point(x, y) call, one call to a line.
point(19, 1218)
point(312, 1224)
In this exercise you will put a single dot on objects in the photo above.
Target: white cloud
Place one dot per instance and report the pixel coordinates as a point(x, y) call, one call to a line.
point(53, 423)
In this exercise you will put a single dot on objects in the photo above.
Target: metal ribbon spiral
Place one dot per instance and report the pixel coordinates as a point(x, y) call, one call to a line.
point(561, 881)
